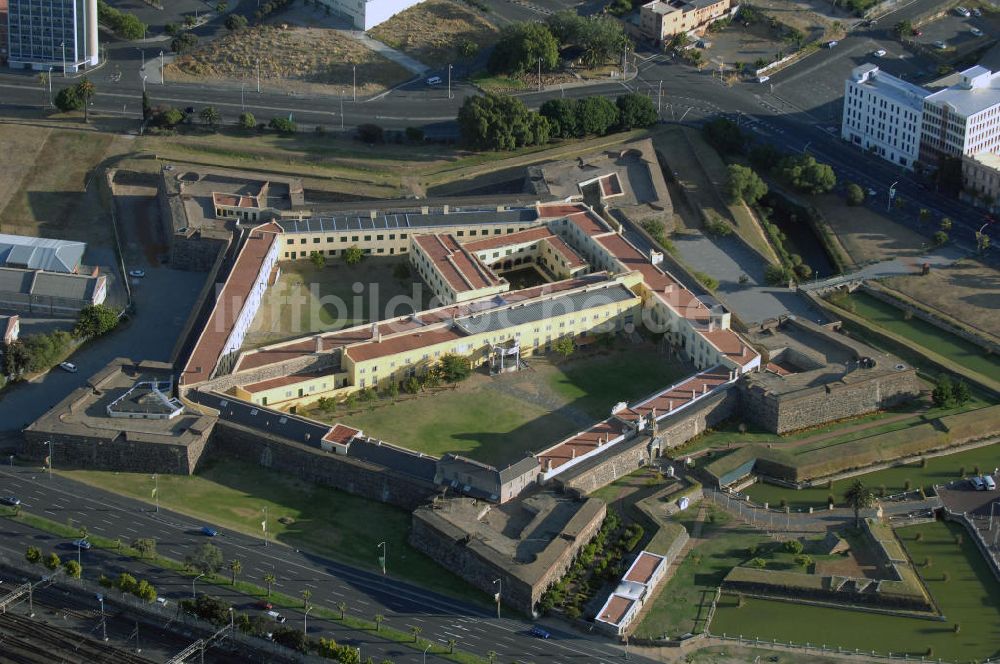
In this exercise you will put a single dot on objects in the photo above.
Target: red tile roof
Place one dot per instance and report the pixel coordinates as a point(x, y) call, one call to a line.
point(231, 299)
point(643, 568)
point(589, 223)
point(462, 270)
point(281, 381)
point(520, 237)
point(419, 338)
point(559, 245)
point(341, 433)
point(616, 609)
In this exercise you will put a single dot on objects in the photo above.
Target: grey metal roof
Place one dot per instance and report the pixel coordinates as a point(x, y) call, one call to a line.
point(526, 465)
point(262, 418)
point(38, 253)
point(407, 220)
point(531, 312)
point(16, 281)
point(403, 461)
point(71, 286)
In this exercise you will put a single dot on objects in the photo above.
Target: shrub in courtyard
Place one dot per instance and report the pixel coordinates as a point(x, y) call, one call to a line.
point(793, 546)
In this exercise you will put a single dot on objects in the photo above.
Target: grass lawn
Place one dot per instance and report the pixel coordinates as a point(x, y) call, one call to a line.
point(924, 334)
point(938, 470)
point(683, 604)
point(324, 521)
point(970, 597)
point(595, 384)
point(310, 299)
point(473, 420)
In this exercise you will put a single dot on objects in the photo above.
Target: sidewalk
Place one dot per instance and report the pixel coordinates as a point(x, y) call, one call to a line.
point(387, 52)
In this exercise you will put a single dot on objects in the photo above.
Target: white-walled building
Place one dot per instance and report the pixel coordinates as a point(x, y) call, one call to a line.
point(964, 118)
point(366, 14)
point(883, 114)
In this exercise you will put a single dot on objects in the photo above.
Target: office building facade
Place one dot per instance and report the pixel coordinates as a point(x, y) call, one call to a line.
point(964, 118)
point(52, 34)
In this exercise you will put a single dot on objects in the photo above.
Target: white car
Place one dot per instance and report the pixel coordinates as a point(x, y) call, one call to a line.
point(831, 44)
point(879, 53)
point(940, 44)
point(138, 274)
point(872, 192)
point(962, 11)
point(976, 12)
point(976, 32)
point(162, 601)
point(68, 366)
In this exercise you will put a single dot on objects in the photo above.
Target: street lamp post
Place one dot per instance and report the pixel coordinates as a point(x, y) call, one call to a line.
point(892, 194)
point(449, 81)
point(63, 45)
point(354, 70)
point(142, 53)
point(425, 652)
point(232, 620)
point(499, 592)
point(79, 546)
point(385, 554)
point(50, 87)
point(659, 99)
point(104, 625)
point(263, 525)
point(243, 100)
point(50, 458)
point(156, 493)
point(539, 74)
point(144, 83)
point(258, 75)
point(163, 74)
point(194, 595)
point(342, 109)
point(305, 621)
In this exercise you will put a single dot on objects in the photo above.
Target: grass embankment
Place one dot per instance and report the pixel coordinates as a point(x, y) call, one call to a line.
point(279, 600)
point(922, 333)
point(320, 520)
point(437, 32)
point(957, 577)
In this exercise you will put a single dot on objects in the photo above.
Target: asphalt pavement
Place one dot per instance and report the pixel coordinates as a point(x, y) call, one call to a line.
point(476, 629)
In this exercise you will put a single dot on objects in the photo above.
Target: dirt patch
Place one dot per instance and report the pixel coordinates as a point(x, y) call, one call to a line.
point(867, 235)
point(809, 16)
point(139, 213)
point(22, 143)
point(437, 32)
point(302, 58)
point(967, 290)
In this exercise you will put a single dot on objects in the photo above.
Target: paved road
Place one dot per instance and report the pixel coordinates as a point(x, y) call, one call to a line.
point(365, 593)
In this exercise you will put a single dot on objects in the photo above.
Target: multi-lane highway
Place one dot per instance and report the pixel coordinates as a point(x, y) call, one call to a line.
point(476, 629)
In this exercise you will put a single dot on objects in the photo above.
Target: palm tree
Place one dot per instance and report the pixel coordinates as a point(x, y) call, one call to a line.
point(342, 606)
point(378, 621)
point(306, 594)
point(269, 581)
point(86, 90)
point(451, 646)
point(415, 631)
point(43, 80)
point(235, 568)
point(492, 655)
point(859, 497)
point(946, 224)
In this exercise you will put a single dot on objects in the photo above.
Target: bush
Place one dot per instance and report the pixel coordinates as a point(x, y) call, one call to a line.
point(724, 136)
point(247, 121)
point(236, 22)
point(126, 26)
point(370, 133)
point(718, 228)
point(939, 238)
point(519, 48)
point(67, 100)
point(282, 125)
point(777, 275)
point(635, 110)
point(758, 563)
point(855, 194)
point(184, 43)
point(94, 321)
point(744, 184)
point(414, 134)
point(793, 546)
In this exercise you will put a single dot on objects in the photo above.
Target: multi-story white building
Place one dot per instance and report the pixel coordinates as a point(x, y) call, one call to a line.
point(883, 114)
point(963, 119)
point(366, 14)
point(52, 34)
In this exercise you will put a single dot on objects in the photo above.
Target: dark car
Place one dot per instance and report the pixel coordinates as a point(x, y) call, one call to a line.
point(10, 500)
point(209, 532)
point(264, 605)
point(539, 632)
point(82, 544)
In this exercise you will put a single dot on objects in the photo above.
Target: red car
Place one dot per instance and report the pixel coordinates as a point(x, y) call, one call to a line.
point(918, 33)
point(264, 605)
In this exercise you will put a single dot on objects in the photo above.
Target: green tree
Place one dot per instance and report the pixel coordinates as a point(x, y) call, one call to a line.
point(855, 194)
point(183, 43)
point(247, 121)
point(562, 117)
point(67, 100)
point(33, 555)
point(306, 596)
point(210, 116)
point(354, 255)
point(52, 562)
point(453, 368)
point(86, 91)
point(172, 29)
point(724, 136)
point(808, 175)
point(939, 238)
point(793, 546)
point(903, 29)
point(268, 582)
point(317, 258)
point(145, 591)
point(946, 224)
point(859, 497)
point(282, 125)
point(500, 122)
point(146, 546)
point(564, 346)
point(960, 393)
point(207, 559)
point(451, 646)
point(744, 184)
point(73, 569)
point(147, 106)
point(521, 46)
point(342, 607)
point(126, 583)
point(596, 115)
point(169, 117)
point(378, 621)
point(635, 110)
point(94, 321)
point(235, 22)
point(415, 630)
point(235, 569)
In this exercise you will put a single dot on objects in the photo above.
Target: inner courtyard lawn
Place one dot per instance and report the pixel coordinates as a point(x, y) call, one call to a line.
point(498, 419)
point(958, 579)
point(318, 519)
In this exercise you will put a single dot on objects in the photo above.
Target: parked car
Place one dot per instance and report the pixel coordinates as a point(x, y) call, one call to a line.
point(264, 605)
point(831, 44)
point(10, 500)
point(962, 11)
point(209, 532)
point(138, 274)
point(976, 12)
point(976, 32)
point(434, 80)
point(539, 632)
point(940, 44)
point(918, 33)
point(872, 192)
point(276, 617)
point(162, 601)
point(68, 366)
point(763, 79)
point(82, 544)
point(879, 53)
point(978, 484)
point(990, 484)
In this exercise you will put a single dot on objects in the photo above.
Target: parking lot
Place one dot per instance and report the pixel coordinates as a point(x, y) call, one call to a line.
point(956, 33)
point(960, 497)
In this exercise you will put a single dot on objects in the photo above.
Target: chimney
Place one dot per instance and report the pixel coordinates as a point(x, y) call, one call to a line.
point(424, 209)
point(711, 325)
point(704, 388)
point(694, 395)
point(743, 351)
point(670, 404)
point(318, 347)
point(548, 465)
point(444, 209)
point(376, 333)
point(573, 451)
point(373, 213)
point(668, 289)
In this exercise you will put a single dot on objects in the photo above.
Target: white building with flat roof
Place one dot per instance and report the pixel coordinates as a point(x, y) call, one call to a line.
point(882, 114)
point(964, 118)
point(366, 14)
